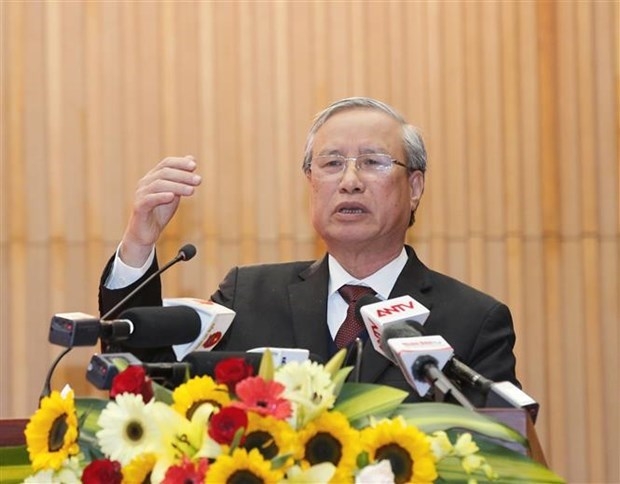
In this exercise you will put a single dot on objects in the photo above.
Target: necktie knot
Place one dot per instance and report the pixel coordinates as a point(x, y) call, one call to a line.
point(351, 293)
point(352, 326)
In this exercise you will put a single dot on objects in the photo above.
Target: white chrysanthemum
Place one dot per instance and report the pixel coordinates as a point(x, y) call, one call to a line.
point(70, 472)
point(127, 428)
point(309, 387)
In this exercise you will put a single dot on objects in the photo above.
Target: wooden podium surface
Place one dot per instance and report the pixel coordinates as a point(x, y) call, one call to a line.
point(519, 420)
point(12, 432)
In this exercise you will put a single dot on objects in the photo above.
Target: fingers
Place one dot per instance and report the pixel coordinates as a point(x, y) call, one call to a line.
point(156, 200)
point(171, 177)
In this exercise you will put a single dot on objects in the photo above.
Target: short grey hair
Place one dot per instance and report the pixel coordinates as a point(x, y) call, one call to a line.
point(415, 153)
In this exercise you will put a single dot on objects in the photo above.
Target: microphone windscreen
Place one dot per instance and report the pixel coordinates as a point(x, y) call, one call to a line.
point(158, 326)
point(187, 252)
point(364, 301)
point(203, 362)
point(400, 329)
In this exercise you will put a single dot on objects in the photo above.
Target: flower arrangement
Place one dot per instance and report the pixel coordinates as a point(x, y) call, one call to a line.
point(298, 423)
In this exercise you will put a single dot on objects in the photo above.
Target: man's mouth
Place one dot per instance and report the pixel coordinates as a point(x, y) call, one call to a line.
point(350, 210)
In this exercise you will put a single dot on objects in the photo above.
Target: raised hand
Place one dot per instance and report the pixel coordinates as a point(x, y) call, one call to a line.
point(156, 201)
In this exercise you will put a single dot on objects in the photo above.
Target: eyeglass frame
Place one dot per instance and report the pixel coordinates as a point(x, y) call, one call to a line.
point(346, 159)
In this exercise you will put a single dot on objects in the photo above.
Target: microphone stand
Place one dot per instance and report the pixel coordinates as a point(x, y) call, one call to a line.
point(185, 253)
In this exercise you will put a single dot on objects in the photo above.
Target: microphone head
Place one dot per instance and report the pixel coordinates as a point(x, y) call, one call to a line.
point(187, 252)
point(364, 301)
point(399, 329)
point(155, 327)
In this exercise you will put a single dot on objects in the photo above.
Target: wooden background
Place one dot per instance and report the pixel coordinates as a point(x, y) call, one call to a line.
point(517, 100)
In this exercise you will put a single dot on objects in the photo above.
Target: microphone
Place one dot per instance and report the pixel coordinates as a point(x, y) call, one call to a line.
point(498, 394)
point(204, 362)
point(187, 252)
point(214, 318)
point(104, 367)
point(147, 327)
point(420, 366)
point(421, 359)
point(64, 326)
point(379, 314)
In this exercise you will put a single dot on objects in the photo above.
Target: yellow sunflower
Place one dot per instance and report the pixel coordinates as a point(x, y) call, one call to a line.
point(243, 466)
point(139, 469)
point(197, 391)
point(330, 438)
point(270, 436)
point(407, 448)
point(52, 432)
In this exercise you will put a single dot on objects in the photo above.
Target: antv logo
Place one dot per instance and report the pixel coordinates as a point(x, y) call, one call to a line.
point(394, 309)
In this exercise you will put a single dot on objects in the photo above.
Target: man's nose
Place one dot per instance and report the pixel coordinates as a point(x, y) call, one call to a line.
point(351, 176)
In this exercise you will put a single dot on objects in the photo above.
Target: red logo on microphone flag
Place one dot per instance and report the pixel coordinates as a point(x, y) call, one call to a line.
point(212, 340)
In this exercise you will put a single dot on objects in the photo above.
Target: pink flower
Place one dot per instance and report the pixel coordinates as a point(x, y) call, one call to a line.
point(187, 472)
point(263, 397)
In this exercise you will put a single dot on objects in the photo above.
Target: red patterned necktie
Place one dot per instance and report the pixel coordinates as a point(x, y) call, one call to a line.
point(351, 327)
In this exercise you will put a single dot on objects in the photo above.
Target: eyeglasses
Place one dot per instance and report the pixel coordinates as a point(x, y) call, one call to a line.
point(371, 164)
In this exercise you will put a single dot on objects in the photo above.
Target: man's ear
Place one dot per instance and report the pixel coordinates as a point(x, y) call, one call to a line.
point(416, 182)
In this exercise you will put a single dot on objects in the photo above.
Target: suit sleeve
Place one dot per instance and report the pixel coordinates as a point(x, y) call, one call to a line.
point(492, 354)
point(150, 295)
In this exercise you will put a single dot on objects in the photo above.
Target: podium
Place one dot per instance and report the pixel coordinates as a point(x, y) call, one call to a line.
point(12, 432)
point(520, 420)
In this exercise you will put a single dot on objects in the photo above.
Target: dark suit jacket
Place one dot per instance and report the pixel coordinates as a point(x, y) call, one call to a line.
point(285, 305)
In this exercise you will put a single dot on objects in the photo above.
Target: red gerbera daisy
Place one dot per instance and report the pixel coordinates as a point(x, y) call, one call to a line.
point(187, 472)
point(263, 397)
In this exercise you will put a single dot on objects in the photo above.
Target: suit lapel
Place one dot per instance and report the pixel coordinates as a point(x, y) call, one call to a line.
point(308, 303)
point(414, 281)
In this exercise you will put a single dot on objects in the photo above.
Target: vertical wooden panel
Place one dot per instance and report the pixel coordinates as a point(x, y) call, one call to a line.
point(454, 139)
point(493, 151)
point(549, 160)
point(532, 338)
point(593, 384)
point(416, 109)
point(476, 215)
point(605, 55)
point(436, 188)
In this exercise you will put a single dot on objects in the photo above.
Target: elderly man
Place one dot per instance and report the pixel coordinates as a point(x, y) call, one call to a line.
point(365, 166)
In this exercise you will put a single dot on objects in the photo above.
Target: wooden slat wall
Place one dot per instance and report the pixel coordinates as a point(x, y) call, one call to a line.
point(518, 103)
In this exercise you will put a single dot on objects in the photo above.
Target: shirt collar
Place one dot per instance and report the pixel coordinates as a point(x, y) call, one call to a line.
point(382, 281)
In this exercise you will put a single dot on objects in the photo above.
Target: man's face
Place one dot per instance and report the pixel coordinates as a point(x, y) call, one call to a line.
point(355, 209)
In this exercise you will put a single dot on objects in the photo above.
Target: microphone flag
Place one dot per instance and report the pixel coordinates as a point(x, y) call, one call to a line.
point(215, 320)
point(378, 316)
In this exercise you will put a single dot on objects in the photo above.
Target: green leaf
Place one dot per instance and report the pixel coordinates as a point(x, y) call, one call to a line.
point(89, 409)
point(358, 401)
point(430, 417)
point(266, 370)
point(14, 464)
point(162, 394)
point(339, 379)
point(510, 466)
point(335, 362)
